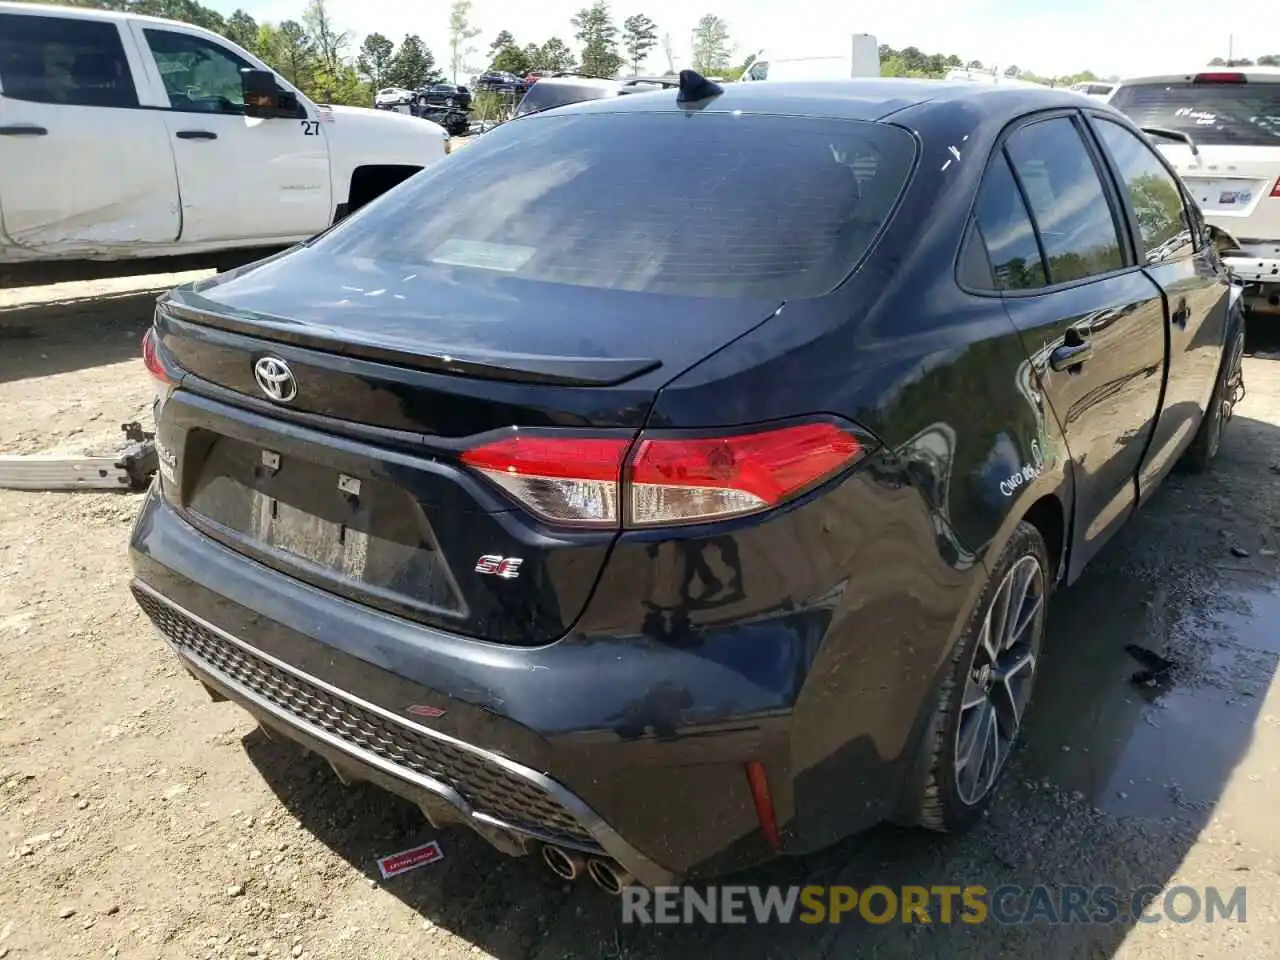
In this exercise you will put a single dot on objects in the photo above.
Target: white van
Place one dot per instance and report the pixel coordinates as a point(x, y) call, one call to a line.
point(860, 59)
point(1222, 135)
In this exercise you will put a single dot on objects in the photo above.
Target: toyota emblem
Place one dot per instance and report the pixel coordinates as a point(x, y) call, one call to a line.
point(275, 379)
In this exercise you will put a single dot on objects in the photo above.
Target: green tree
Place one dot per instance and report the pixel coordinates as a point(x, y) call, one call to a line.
point(711, 47)
point(639, 36)
point(598, 35)
point(461, 33)
point(330, 42)
point(512, 60)
point(342, 86)
point(1012, 71)
point(294, 55)
point(1269, 60)
point(1157, 206)
point(503, 40)
point(506, 55)
point(242, 29)
point(555, 55)
point(413, 65)
point(188, 11)
point(374, 61)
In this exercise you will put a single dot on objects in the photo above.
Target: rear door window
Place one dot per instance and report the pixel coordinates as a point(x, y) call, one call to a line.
point(1222, 114)
point(1156, 198)
point(61, 60)
point(1073, 216)
point(712, 204)
point(1006, 227)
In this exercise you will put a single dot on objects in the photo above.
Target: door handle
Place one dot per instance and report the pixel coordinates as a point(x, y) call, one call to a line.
point(1181, 315)
point(1070, 355)
point(196, 135)
point(23, 130)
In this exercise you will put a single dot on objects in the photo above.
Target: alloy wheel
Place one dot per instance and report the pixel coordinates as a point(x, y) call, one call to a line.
point(998, 683)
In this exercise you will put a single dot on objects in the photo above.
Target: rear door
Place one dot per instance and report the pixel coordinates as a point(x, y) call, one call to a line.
point(241, 178)
point(1092, 321)
point(1178, 258)
point(68, 102)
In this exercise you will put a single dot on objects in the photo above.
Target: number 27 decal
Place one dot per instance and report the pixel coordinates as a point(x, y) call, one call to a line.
point(311, 128)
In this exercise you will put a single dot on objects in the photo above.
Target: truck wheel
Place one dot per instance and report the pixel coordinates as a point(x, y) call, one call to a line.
point(984, 697)
point(1209, 437)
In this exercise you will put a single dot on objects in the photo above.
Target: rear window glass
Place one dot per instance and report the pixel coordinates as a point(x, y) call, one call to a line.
point(698, 205)
point(547, 96)
point(1247, 114)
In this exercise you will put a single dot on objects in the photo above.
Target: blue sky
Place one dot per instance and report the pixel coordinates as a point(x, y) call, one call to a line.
point(1045, 36)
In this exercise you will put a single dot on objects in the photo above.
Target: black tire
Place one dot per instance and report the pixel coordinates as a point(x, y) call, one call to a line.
point(948, 801)
point(1208, 439)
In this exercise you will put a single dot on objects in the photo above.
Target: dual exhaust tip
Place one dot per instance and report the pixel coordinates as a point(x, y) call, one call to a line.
point(569, 865)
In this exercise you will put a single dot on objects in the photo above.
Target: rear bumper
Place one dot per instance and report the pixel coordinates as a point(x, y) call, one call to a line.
point(1253, 269)
point(531, 745)
point(366, 742)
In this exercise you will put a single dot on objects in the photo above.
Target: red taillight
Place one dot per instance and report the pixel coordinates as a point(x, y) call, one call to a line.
point(562, 479)
point(149, 357)
point(1219, 77)
point(670, 480)
point(690, 480)
point(1275, 191)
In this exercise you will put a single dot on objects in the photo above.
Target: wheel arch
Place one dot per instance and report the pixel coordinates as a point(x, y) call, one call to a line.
point(370, 181)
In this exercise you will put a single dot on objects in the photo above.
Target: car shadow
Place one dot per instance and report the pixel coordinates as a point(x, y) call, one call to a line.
point(1119, 773)
point(73, 326)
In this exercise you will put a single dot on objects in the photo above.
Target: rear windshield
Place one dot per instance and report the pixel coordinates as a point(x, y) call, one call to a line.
point(705, 204)
point(1246, 114)
point(547, 96)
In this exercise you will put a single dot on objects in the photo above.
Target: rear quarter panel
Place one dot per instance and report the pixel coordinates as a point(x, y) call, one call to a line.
point(943, 380)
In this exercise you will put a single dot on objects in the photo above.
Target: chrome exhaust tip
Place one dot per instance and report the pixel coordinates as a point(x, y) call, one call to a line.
point(565, 864)
point(609, 876)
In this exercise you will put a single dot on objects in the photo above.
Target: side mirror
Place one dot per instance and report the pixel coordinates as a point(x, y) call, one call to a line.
point(262, 96)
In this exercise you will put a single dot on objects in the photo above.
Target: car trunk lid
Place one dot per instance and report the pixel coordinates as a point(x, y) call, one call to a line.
point(355, 483)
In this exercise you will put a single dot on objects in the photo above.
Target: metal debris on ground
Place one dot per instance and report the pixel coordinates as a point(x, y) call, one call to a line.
point(130, 468)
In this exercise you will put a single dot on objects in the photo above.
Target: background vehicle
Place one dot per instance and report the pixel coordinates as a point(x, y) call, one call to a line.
point(392, 95)
point(1231, 161)
point(965, 75)
point(680, 587)
point(551, 92)
point(444, 95)
point(226, 160)
point(1094, 88)
point(861, 58)
point(497, 81)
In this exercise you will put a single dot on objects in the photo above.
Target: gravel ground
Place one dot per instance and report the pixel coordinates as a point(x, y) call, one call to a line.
point(138, 819)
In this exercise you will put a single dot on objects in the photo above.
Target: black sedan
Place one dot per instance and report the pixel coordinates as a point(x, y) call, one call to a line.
point(443, 95)
point(498, 81)
point(672, 481)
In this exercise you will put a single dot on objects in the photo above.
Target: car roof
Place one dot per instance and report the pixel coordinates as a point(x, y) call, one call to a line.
point(853, 99)
point(1265, 74)
point(94, 13)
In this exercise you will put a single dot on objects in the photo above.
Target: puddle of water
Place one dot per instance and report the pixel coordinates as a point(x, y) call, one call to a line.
point(1150, 752)
point(1258, 629)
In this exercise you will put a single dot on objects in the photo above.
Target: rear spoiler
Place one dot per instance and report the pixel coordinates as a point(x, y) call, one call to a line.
point(481, 365)
point(1167, 134)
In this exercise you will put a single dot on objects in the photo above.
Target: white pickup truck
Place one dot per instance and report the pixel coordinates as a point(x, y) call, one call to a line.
point(131, 144)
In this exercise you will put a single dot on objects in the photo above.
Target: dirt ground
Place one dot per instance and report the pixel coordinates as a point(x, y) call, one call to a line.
point(138, 819)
